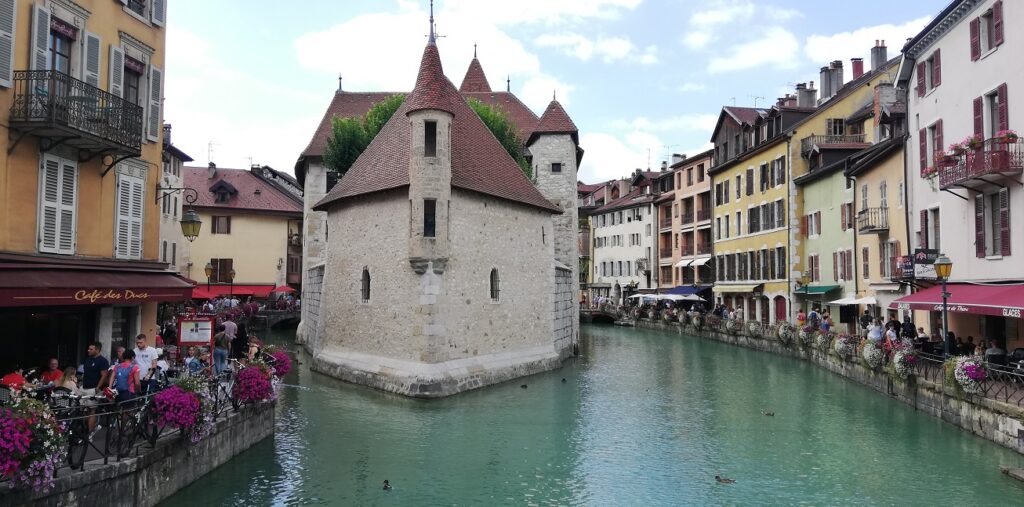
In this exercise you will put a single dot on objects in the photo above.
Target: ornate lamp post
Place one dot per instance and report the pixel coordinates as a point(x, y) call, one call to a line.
point(231, 278)
point(943, 268)
point(209, 273)
point(190, 222)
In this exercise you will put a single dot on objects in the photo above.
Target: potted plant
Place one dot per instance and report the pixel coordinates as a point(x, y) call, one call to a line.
point(874, 356)
point(972, 142)
point(957, 149)
point(903, 362)
point(785, 333)
point(846, 345)
point(32, 446)
point(807, 335)
point(969, 372)
point(1007, 136)
point(929, 172)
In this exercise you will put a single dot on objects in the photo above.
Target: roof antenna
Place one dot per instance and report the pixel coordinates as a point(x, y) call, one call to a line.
point(508, 83)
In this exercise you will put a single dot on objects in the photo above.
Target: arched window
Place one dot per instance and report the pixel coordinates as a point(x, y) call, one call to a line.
point(366, 285)
point(495, 290)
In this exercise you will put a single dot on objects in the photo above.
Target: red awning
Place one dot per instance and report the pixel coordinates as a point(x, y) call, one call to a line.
point(58, 285)
point(282, 288)
point(998, 300)
point(258, 291)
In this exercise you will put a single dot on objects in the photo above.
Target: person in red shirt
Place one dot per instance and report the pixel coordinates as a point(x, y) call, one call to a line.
point(53, 373)
point(14, 379)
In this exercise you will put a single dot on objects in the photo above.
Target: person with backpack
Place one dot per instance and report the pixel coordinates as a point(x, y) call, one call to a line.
point(126, 377)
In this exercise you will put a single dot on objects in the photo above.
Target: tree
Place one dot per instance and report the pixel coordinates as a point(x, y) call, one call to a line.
point(350, 136)
point(504, 131)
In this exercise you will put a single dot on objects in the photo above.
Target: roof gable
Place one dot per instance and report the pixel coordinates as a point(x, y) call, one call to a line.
point(475, 80)
point(250, 192)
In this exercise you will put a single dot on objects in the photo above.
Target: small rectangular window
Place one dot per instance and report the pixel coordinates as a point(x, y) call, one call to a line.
point(556, 167)
point(429, 211)
point(221, 225)
point(430, 138)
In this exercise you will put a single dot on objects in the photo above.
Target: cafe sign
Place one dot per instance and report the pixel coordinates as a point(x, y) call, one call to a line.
point(89, 296)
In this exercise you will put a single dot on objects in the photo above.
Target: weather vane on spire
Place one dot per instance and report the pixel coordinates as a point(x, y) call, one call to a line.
point(431, 39)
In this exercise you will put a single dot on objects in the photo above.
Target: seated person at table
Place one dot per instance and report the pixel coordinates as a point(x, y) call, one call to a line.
point(995, 350)
point(14, 379)
point(53, 374)
point(69, 380)
point(968, 347)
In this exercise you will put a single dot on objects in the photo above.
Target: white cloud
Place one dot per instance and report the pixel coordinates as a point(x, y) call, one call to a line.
point(538, 11)
point(777, 47)
point(688, 122)
point(858, 43)
point(537, 92)
point(692, 87)
point(730, 17)
point(609, 49)
point(609, 156)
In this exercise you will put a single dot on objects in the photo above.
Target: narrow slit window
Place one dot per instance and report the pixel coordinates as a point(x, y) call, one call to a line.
point(366, 285)
point(429, 218)
point(495, 290)
point(430, 139)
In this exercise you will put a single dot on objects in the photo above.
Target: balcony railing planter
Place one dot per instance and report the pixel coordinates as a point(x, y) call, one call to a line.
point(996, 156)
point(52, 104)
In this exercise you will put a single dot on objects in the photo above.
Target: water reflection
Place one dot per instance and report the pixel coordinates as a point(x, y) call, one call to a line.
point(641, 419)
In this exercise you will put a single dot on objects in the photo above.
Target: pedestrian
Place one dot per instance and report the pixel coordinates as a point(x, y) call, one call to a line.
point(875, 332)
point(126, 378)
point(14, 379)
point(908, 329)
point(826, 323)
point(145, 357)
point(53, 374)
point(221, 344)
point(801, 318)
point(94, 368)
point(69, 380)
point(865, 321)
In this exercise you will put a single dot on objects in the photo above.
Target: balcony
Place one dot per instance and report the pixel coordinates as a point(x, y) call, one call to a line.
point(704, 214)
point(994, 158)
point(873, 220)
point(688, 217)
point(808, 143)
point(687, 250)
point(52, 105)
point(666, 222)
point(704, 249)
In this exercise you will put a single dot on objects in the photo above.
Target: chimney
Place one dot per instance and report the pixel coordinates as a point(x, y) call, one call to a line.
point(664, 165)
point(858, 67)
point(211, 171)
point(167, 133)
point(677, 158)
point(826, 83)
point(837, 76)
point(879, 55)
point(806, 95)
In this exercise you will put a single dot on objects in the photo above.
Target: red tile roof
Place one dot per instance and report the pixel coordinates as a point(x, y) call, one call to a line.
point(343, 105)
point(270, 198)
point(555, 121)
point(743, 114)
point(475, 80)
point(521, 116)
point(479, 162)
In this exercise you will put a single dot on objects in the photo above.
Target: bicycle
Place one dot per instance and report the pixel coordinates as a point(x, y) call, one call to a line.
point(77, 410)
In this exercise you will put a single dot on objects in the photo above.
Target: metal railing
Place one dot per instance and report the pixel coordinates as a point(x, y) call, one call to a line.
point(994, 156)
point(666, 222)
point(55, 99)
point(704, 214)
point(808, 143)
point(688, 217)
point(687, 249)
point(1004, 383)
point(873, 219)
point(665, 253)
point(704, 248)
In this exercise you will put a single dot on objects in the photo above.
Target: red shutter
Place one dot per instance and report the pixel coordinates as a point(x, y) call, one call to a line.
point(922, 137)
point(835, 266)
point(842, 224)
point(1004, 116)
point(803, 226)
point(865, 263)
point(936, 69)
point(975, 39)
point(938, 139)
point(817, 222)
point(920, 79)
point(1004, 220)
point(849, 264)
point(979, 226)
point(979, 118)
point(924, 229)
point(997, 21)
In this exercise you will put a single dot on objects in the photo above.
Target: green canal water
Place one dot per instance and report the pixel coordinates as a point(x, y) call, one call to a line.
point(641, 418)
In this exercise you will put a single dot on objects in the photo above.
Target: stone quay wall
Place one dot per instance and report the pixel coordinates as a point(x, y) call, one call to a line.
point(159, 473)
point(992, 420)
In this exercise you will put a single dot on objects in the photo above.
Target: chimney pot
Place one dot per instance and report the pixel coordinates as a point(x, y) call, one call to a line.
point(879, 55)
point(677, 158)
point(211, 170)
point(858, 67)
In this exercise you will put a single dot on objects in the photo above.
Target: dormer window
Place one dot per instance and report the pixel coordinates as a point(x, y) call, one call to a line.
point(223, 191)
point(430, 138)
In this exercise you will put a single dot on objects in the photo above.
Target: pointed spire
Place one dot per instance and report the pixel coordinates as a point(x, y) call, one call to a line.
point(475, 80)
point(554, 95)
point(431, 40)
point(508, 83)
point(554, 121)
point(432, 90)
point(474, 51)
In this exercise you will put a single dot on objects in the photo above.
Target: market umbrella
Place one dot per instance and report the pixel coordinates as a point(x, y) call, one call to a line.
point(282, 288)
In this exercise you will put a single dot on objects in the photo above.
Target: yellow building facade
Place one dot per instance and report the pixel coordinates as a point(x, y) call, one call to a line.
point(81, 85)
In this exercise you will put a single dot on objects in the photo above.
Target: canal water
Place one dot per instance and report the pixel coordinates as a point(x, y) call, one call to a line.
point(640, 418)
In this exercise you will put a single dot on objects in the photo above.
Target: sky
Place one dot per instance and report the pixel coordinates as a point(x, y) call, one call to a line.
point(248, 81)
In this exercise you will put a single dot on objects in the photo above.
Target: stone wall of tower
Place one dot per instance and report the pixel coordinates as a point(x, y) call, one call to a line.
point(314, 246)
point(430, 177)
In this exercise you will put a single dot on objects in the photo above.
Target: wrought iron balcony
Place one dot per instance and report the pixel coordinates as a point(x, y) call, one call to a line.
point(688, 249)
point(704, 248)
point(666, 252)
point(53, 105)
point(808, 143)
point(873, 220)
point(666, 222)
point(994, 158)
point(704, 214)
point(688, 217)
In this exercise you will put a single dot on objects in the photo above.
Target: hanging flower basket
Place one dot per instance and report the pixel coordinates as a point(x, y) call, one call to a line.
point(808, 335)
point(824, 340)
point(697, 322)
point(253, 385)
point(846, 345)
point(970, 374)
point(732, 326)
point(754, 329)
point(874, 356)
point(32, 445)
point(903, 362)
point(282, 363)
point(786, 333)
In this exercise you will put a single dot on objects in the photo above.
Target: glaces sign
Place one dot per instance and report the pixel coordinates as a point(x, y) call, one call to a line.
point(110, 296)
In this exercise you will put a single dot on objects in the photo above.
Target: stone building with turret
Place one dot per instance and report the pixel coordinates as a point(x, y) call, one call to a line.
point(435, 265)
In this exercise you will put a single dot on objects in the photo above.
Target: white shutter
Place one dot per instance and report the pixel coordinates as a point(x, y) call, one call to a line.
point(68, 196)
point(8, 15)
point(158, 12)
point(49, 203)
point(128, 228)
point(39, 58)
point(91, 59)
point(115, 80)
point(138, 191)
point(156, 78)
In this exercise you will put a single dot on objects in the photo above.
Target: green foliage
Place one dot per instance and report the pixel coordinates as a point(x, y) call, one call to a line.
point(350, 136)
point(503, 129)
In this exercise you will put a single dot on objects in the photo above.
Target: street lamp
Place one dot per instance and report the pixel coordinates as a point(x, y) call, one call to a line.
point(231, 278)
point(190, 222)
point(209, 273)
point(190, 225)
point(943, 268)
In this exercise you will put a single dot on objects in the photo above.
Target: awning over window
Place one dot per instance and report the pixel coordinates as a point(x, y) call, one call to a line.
point(686, 290)
point(849, 300)
point(998, 300)
point(731, 289)
point(683, 263)
point(258, 291)
point(815, 289)
point(60, 285)
point(700, 262)
point(869, 300)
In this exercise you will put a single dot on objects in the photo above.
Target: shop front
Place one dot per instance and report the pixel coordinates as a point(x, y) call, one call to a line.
point(55, 311)
point(990, 312)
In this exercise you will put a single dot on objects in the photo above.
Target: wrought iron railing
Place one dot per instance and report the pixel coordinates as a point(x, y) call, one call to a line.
point(688, 217)
point(666, 222)
point(665, 252)
point(994, 156)
point(808, 143)
point(703, 248)
point(704, 214)
point(55, 99)
point(688, 249)
point(873, 219)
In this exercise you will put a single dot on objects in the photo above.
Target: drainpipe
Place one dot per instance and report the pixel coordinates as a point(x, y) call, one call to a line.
point(906, 197)
point(856, 250)
point(789, 226)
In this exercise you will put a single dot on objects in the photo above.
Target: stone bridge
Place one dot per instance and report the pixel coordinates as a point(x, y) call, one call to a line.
point(267, 319)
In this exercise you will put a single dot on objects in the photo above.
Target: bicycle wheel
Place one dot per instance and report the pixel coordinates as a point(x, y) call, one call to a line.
point(78, 443)
point(126, 435)
point(149, 429)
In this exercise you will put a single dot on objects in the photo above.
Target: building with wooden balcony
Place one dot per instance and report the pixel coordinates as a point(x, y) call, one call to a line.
point(254, 238)
point(81, 88)
point(964, 163)
point(693, 269)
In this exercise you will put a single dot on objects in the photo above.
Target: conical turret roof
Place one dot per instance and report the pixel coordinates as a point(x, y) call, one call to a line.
point(475, 80)
point(433, 90)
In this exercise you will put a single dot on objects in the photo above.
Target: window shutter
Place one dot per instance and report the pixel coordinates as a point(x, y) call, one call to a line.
point(137, 192)
point(939, 145)
point(937, 68)
point(122, 232)
point(803, 226)
point(895, 254)
point(8, 14)
point(865, 263)
point(979, 225)
point(997, 21)
point(39, 57)
point(924, 228)
point(91, 61)
point(842, 223)
point(975, 39)
point(115, 79)
point(158, 12)
point(920, 79)
point(1004, 111)
point(155, 96)
point(1004, 220)
point(835, 266)
point(782, 170)
point(750, 182)
point(849, 264)
point(922, 138)
point(49, 203)
point(817, 223)
point(979, 117)
point(68, 197)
